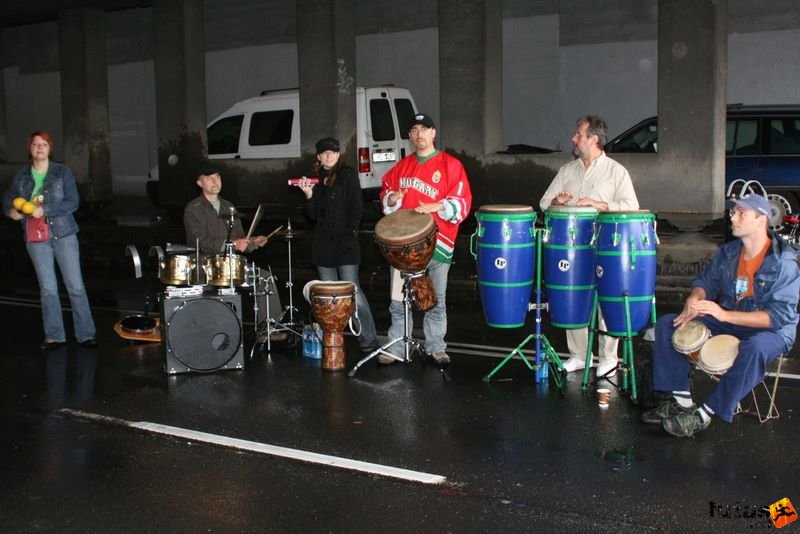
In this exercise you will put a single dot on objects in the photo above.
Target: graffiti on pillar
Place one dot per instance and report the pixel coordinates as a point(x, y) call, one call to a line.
point(344, 82)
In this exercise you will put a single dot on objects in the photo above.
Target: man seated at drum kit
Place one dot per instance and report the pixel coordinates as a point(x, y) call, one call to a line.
point(209, 221)
point(204, 218)
point(748, 291)
point(432, 182)
point(592, 180)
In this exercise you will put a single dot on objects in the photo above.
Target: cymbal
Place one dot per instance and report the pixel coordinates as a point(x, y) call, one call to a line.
point(236, 214)
point(289, 233)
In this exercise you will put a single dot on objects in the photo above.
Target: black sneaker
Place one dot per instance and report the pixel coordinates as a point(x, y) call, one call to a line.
point(664, 410)
point(685, 425)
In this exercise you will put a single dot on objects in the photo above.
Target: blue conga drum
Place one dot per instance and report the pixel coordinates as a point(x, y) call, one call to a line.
point(568, 250)
point(626, 267)
point(505, 256)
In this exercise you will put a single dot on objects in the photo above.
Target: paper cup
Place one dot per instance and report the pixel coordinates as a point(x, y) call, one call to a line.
point(603, 396)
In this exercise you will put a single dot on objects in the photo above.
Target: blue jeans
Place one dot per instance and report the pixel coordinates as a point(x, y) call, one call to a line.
point(756, 348)
point(434, 323)
point(349, 273)
point(66, 253)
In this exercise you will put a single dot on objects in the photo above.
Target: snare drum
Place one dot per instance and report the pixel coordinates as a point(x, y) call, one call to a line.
point(219, 268)
point(568, 249)
point(626, 268)
point(718, 354)
point(177, 270)
point(689, 338)
point(506, 261)
point(407, 240)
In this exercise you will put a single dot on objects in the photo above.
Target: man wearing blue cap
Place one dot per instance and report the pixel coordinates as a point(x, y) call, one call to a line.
point(750, 291)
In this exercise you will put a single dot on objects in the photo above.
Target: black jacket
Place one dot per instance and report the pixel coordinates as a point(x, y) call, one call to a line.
point(337, 211)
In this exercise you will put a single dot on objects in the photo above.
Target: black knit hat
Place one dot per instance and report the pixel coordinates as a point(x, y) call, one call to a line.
point(327, 143)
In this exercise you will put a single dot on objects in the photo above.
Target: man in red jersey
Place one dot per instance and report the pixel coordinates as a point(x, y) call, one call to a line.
point(428, 181)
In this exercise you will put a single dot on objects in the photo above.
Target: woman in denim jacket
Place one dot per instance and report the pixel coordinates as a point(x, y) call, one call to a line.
point(51, 188)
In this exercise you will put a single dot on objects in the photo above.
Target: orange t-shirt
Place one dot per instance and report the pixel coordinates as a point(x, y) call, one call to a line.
point(746, 271)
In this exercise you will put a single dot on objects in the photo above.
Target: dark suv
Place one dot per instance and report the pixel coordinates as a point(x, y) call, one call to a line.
point(762, 143)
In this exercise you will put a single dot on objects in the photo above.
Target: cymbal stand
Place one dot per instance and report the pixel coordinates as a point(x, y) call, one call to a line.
point(229, 253)
point(409, 343)
point(283, 323)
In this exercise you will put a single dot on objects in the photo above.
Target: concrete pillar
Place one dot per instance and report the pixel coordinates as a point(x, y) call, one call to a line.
point(180, 99)
point(471, 75)
point(326, 49)
point(84, 101)
point(692, 68)
point(3, 125)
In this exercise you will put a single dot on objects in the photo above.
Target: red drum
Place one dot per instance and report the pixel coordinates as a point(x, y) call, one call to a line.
point(407, 240)
point(332, 304)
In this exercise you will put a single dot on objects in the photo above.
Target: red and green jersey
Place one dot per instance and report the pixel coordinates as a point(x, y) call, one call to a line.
point(437, 177)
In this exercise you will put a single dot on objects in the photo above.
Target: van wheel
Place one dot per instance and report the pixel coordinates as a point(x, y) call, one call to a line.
point(780, 206)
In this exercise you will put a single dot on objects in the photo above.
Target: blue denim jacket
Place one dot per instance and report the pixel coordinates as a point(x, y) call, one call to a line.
point(60, 198)
point(776, 285)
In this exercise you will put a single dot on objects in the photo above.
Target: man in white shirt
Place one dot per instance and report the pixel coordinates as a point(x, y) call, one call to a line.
point(593, 180)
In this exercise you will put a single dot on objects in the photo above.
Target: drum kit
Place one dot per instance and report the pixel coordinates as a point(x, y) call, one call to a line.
point(592, 260)
point(187, 275)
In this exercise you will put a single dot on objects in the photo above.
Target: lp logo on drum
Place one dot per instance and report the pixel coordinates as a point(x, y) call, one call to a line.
point(563, 266)
point(500, 263)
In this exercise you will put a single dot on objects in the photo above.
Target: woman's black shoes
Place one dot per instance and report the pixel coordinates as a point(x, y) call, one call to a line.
point(50, 345)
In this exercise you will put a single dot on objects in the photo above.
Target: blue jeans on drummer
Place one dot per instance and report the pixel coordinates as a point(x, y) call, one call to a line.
point(434, 323)
point(65, 253)
point(349, 273)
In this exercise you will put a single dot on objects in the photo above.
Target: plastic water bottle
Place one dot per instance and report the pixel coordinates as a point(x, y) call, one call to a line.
point(317, 334)
point(308, 341)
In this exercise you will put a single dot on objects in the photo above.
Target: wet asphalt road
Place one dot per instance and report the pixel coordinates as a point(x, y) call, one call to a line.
point(516, 456)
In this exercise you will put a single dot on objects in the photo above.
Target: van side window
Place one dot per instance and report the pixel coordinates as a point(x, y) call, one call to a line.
point(223, 135)
point(271, 127)
point(381, 121)
point(405, 113)
point(784, 136)
point(745, 138)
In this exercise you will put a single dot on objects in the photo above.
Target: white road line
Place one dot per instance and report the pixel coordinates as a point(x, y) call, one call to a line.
point(264, 448)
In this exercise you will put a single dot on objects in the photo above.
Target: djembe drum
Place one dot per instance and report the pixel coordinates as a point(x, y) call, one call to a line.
point(407, 240)
point(332, 304)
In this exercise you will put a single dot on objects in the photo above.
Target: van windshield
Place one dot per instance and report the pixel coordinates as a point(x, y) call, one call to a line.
point(223, 135)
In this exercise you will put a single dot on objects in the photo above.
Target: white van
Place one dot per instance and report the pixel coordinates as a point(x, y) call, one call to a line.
point(268, 127)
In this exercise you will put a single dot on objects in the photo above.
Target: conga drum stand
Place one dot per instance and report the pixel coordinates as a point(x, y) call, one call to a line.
point(409, 343)
point(628, 384)
point(546, 358)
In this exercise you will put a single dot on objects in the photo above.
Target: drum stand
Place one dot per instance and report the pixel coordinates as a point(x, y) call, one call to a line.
point(628, 384)
point(545, 360)
point(285, 322)
point(409, 343)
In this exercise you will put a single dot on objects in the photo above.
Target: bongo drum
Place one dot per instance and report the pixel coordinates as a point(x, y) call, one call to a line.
point(407, 240)
point(332, 304)
point(718, 354)
point(626, 267)
point(689, 338)
point(569, 262)
point(506, 261)
point(176, 270)
point(218, 269)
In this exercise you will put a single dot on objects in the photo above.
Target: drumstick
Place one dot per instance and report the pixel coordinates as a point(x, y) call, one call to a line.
point(275, 231)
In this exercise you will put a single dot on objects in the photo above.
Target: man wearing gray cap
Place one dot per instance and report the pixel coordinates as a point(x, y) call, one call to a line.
point(750, 291)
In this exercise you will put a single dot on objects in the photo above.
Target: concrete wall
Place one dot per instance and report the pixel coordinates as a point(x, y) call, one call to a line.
point(560, 61)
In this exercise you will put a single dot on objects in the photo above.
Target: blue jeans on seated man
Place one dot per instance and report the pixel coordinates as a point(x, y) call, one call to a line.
point(757, 347)
point(349, 273)
point(434, 323)
point(66, 253)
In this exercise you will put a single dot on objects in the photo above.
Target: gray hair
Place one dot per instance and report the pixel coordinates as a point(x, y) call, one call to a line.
point(597, 126)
